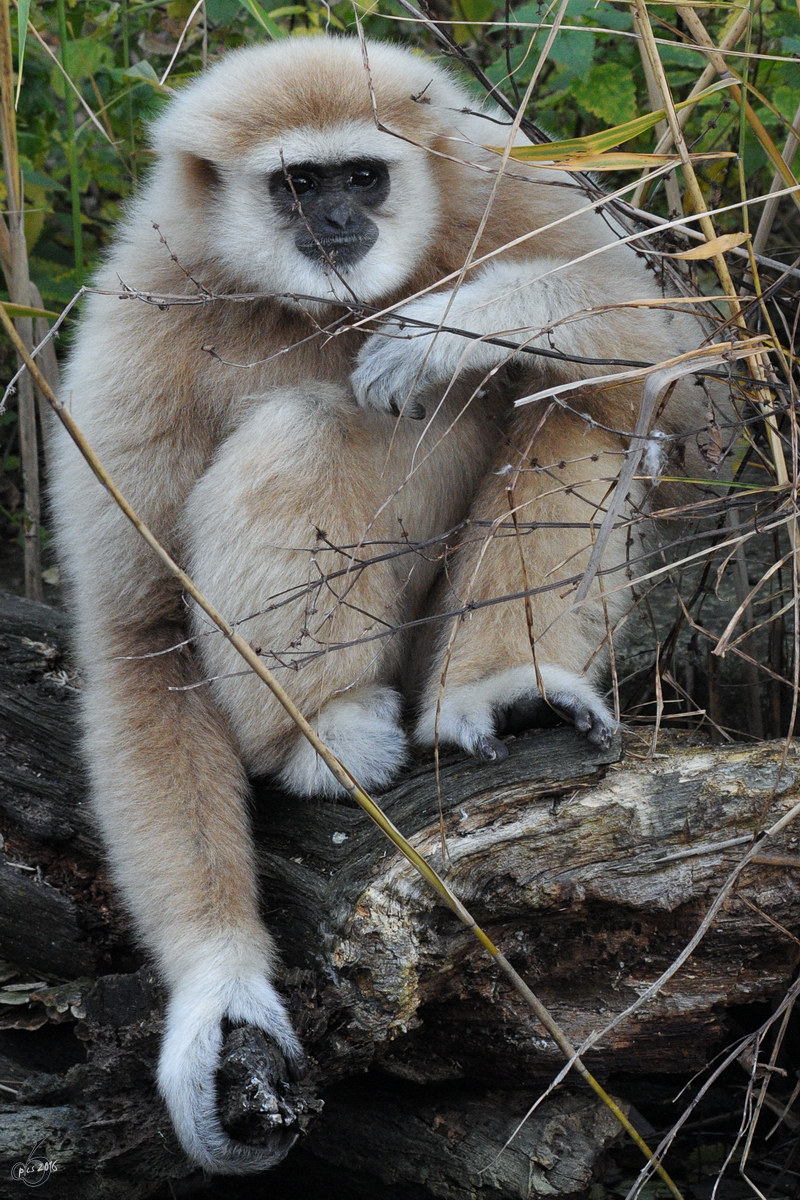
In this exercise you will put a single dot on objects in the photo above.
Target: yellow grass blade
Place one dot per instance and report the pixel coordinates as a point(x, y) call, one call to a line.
point(621, 161)
point(607, 139)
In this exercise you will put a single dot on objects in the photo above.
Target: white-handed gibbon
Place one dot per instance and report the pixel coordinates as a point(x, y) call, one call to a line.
point(300, 463)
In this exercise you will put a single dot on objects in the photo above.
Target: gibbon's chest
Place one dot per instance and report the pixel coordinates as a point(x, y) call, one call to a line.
point(216, 360)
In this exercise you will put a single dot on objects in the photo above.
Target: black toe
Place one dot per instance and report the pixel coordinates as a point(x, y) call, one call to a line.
point(490, 750)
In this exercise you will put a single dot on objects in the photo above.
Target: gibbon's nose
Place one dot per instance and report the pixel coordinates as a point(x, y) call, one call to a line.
point(340, 216)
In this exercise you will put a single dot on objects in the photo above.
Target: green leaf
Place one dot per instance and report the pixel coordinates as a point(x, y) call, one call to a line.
point(573, 51)
point(39, 180)
point(608, 16)
point(224, 11)
point(618, 160)
point(786, 100)
point(606, 139)
point(82, 59)
point(608, 92)
point(467, 11)
point(264, 19)
point(144, 72)
point(22, 310)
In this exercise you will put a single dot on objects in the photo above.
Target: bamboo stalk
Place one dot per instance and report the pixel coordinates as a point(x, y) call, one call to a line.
point(642, 23)
point(19, 286)
point(72, 157)
point(671, 186)
point(49, 365)
point(337, 769)
point(771, 207)
point(727, 42)
point(700, 34)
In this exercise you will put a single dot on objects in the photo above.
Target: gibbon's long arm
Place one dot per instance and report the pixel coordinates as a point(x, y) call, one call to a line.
point(168, 788)
point(542, 301)
point(176, 812)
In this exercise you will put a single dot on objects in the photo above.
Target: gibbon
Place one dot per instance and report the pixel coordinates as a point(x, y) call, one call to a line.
point(300, 458)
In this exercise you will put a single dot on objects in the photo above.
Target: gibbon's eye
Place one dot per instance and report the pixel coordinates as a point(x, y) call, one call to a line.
point(301, 185)
point(364, 177)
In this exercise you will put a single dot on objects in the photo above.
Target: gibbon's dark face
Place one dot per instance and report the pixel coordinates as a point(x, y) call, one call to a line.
point(328, 205)
point(324, 213)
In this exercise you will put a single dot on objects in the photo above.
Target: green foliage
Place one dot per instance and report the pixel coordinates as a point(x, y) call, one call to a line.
point(608, 92)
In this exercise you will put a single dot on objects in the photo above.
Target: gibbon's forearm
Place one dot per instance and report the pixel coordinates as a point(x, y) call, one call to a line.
point(169, 794)
point(538, 302)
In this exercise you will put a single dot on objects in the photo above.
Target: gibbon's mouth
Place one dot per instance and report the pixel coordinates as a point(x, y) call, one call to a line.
point(342, 250)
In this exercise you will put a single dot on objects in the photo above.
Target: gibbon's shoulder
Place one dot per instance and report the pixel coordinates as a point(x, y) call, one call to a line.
point(257, 93)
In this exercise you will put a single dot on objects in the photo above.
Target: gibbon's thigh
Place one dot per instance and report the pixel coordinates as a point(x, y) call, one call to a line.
point(296, 500)
point(555, 479)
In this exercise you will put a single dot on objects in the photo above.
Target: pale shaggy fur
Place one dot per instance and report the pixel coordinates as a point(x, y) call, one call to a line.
point(253, 476)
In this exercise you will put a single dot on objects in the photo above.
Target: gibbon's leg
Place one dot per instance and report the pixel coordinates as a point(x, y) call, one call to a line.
point(280, 526)
point(495, 667)
point(577, 308)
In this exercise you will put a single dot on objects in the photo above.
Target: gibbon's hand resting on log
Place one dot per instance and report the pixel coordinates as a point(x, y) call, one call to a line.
point(270, 445)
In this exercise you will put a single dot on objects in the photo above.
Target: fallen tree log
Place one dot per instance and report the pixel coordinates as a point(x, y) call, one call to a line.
point(591, 872)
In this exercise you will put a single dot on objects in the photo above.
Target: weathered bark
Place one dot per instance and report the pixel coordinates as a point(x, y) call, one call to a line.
point(591, 875)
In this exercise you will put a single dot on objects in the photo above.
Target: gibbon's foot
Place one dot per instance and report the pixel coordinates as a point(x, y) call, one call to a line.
point(364, 732)
point(190, 1058)
point(472, 715)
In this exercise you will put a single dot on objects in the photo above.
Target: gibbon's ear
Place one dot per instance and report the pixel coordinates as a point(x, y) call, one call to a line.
point(202, 174)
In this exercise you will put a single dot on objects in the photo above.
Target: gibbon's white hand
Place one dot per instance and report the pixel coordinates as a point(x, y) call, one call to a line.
point(189, 1061)
point(395, 366)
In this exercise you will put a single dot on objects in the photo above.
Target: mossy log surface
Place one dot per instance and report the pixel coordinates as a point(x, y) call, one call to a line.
point(590, 870)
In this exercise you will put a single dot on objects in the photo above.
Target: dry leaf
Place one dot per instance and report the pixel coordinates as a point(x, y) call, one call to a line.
point(716, 246)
